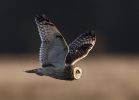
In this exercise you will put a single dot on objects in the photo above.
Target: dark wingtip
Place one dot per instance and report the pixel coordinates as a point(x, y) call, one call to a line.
point(93, 33)
point(43, 20)
point(40, 18)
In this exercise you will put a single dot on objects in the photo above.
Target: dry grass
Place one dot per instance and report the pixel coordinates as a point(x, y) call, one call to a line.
point(104, 78)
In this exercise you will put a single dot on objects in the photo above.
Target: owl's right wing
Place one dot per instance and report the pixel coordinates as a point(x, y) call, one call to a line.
point(54, 49)
point(80, 47)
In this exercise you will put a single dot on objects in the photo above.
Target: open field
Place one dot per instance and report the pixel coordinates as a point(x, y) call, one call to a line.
point(105, 77)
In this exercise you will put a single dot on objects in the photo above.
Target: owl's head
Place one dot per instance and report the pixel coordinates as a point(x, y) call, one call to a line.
point(77, 73)
point(73, 72)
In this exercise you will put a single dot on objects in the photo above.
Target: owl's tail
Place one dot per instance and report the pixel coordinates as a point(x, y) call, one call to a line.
point(31, 71)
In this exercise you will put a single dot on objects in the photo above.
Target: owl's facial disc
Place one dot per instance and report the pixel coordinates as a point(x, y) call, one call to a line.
point(77, 73)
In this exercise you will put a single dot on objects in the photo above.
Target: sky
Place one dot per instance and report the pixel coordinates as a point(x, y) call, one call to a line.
point(116, 23)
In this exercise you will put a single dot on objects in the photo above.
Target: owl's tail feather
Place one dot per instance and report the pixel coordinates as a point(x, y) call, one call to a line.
point(31, 71)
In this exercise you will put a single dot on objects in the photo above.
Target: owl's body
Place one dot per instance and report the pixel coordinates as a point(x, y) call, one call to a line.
point(56, 57)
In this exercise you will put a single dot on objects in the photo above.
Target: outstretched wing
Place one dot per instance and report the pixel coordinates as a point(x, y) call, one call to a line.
point(80, 47)
point(53, 48)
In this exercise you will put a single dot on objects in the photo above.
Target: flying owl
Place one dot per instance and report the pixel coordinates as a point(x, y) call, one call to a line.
point(56, 57)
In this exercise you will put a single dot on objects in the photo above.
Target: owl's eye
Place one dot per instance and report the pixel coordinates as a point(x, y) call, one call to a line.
point(77, 72)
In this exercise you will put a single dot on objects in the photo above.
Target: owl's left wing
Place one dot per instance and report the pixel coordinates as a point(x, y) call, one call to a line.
point(54, 49)
point(80, 47)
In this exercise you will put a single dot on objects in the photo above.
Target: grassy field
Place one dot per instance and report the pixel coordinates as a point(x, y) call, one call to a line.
point(106, 77)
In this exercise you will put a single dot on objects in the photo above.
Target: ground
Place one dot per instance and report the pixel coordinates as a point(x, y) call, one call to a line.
point(105, 77)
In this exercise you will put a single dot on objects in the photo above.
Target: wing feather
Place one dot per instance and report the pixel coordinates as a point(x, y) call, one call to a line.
point(80, 47)
point(53, 48)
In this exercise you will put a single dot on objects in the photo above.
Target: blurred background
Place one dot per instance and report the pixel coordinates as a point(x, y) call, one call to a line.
point(115, 21)
point(110, 71)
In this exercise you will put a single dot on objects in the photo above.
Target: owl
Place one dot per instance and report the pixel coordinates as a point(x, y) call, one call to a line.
point(58, 59)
